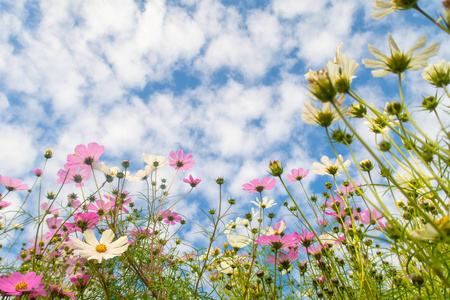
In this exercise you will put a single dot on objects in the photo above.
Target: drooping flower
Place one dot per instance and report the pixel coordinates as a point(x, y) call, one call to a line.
point(84, 156)
point(325, 117)
point(180, 161)
point(265, 203)
point(256, 187)
point(105, 249)
point(192, 182)
point(17, 283)
point(297, 175)
point(13, 184)
point(388, 7)
point(438, 74)
point(328, 168)
point(398, 62)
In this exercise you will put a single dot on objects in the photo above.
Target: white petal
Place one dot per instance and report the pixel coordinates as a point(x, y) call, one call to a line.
point(89, 237)
point(107, 237)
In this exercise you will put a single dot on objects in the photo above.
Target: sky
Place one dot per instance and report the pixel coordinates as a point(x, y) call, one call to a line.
point(222, 80)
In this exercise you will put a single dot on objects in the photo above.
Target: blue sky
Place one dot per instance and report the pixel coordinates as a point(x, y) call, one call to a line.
point(223, 80)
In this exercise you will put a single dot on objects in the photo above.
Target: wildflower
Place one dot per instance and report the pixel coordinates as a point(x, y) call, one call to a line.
point(393, 6)
point(265, 203)
point(342, 71)
point(17, 283)
point(399, 62)
point(142, 174)
point(325, 117)
point(65, 175)
point(170, 217)
point(328, 168)
point(238, 241)
point(156, 161)
point(316, 252)
point(83, 221)
point(84, 156)
point(306, 239)
point(284, 260)
point(438, 74)
point(297, 175)
point(366, 165)
point(179, 161)
point(49, 210)
point(105, 249)
point(58, 292)
point(13, 184)
point(276, 241)
point(193, 182)
point(108, 171)
point(80, 281)
point(37, 172)
point(4, 204)
point(275, 168)
point(370, 217)
point(255, 187)
point(278, 228)
point(48, 154)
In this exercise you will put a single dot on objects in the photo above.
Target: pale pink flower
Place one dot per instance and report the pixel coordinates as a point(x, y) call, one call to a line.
point(284, 260)
point(277, 242)
point(306, 239)
point(170, 217)
point(372, 217)
point(256, 187)
point(84, 156)
point(297, 175)
point(4, 204)
point(37, 172)
point(180, 161)
point(83, 221)
point(65, 175)
point(49, 210)
point(193, 182)
point(13, 184)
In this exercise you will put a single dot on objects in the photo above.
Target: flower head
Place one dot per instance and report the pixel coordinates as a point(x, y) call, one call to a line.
point(328, 168)
point(17, 283)
point(156, 161)
point(278, 228)
point(284, 260)
point(84, 156)
point(13, 184)
point(238, 241)
point(438, 74)
point(193, 182)
point(398, 62)
point(180, 161)
point(170, 217)
point(324, 117)
point(105, 249)
point(297, 175)
point(265, 203)
point(277, 242)
point(392, 6)
point(37, 172)
point(256, 187)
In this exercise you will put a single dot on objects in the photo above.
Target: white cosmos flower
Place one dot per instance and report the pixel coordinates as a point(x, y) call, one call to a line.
point(100, 166)
point(324, 117)
point(427, 232)
point(387, 7)
point(438, 74)
point(105, 249)
point(265, 203)
point(398, 62)
point(233, 225)
point(156, 161)
point(238, 241)
point(142, 174)
point(328, 168)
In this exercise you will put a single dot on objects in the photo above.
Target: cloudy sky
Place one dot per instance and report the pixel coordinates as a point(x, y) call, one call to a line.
point(223, 80)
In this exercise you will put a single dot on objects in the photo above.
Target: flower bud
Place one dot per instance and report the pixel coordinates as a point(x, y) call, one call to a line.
point(393, 108)
point(220, 180)
point(275, 168)
point(384, 146)
point(231, 201)
point(417, 279)
point(430, 103)
point(48, 154)
point(366, 165)
point(125, 164)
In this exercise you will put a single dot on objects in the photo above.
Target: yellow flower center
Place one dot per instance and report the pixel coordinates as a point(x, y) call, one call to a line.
point(100, 248)
point(21, 286)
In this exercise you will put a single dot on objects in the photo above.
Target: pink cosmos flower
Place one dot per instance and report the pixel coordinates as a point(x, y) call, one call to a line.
point(349, 189)
point(54, 223)
point(193, 182)
point(255, 187)
point(277, 242)
point(84, 156)
point(181, 162)
point(306, 239)
point(37, 172)
point(139, 235)
point(4, 204)
point(49, 210)
point(284, 260)
point(297, 175)
point(100, 207)
point(170, 217)
point(315, 251)
point(83, 221)
point(57, 292)
point(373, 218)
point(65, 175)
point(17, 283)
point(80, 281)
point(13, 184)
point(323, 223)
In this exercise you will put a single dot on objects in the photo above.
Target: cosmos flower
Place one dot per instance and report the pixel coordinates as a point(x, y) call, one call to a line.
point(328, 168)
point(142, 174)
point(265, 203)
point(297, 175)
point(276, 241)
point(17, 283)
point(388, 7)
point(13, 184)
point(105, 249)
point(170, 217)
point(256, 187)
point(398, 62)
point(180, 161)
point(277, 229)
point(324, 117)
point(193, 182)
point(438, 74)
point(156, 161)
point(238, 241)
point(84, 156)
point(283, 260)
